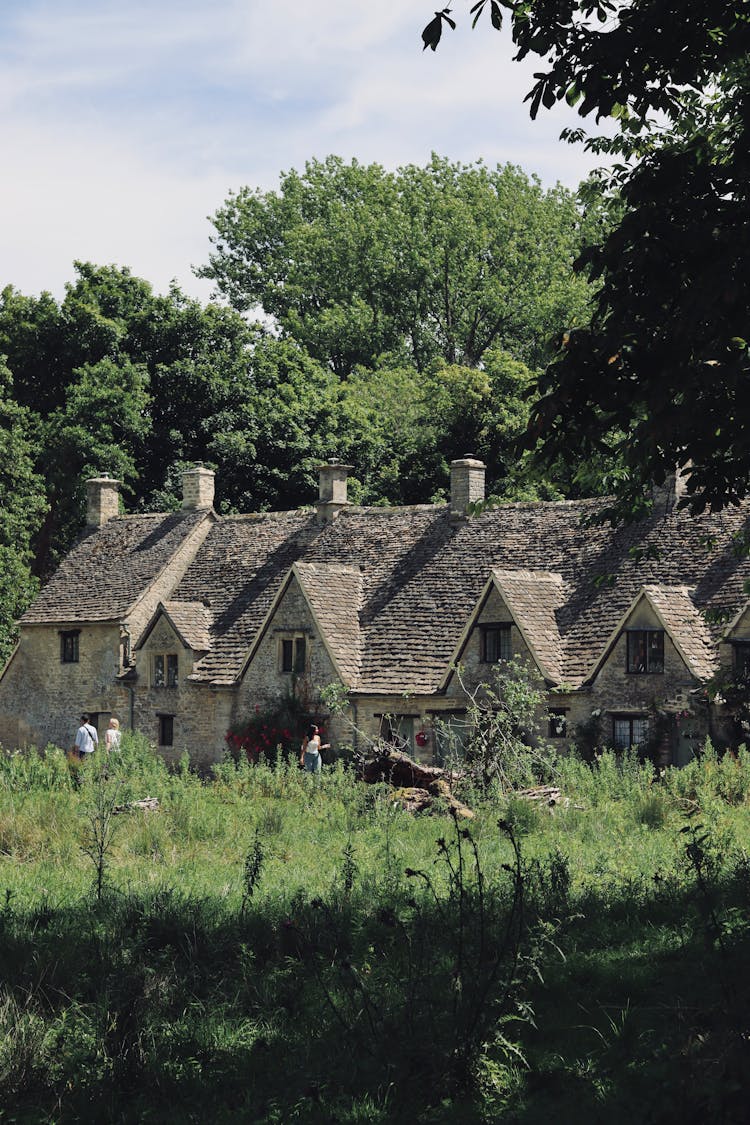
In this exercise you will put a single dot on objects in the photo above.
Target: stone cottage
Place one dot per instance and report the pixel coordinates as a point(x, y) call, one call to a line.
point(180, 624)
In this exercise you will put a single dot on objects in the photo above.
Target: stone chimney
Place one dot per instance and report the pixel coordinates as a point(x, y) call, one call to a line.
point(467, 483)
point(332, 497)
point(102, 500)
point(198, 488)
point(668, 494)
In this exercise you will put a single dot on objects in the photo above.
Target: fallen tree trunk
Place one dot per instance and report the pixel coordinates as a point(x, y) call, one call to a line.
point(416, 785)
point(399, 769)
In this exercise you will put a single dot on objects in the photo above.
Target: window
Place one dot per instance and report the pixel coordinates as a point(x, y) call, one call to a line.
point(69, 646)
point(629, 730)
point(496, 643)
point(398, 731)
point(165, 668)
point(645, 650)
point(293, 654)
point(742, 660)
point(450, 731)
point(558, 723)
point(166, 730)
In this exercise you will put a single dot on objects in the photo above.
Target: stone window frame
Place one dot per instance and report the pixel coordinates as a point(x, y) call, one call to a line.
point(70, 649)
point(631, 718)
point(293, 653)
point(558, 722)
point(170, 670)
point(501, 632)
point(634, 664)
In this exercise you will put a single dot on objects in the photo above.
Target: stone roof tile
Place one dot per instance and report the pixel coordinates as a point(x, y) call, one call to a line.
point(192, 620)
point(422, 573)
point(334, 592)
point(108, 569)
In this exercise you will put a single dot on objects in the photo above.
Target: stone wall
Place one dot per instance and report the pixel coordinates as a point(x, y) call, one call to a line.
point(199, 712)
point(41, 698)
point(264, 683)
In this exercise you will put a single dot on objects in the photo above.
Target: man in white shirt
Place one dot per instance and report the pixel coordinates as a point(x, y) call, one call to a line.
point(87, 738)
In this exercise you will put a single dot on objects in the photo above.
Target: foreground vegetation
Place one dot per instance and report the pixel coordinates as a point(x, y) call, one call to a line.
point(267, 946)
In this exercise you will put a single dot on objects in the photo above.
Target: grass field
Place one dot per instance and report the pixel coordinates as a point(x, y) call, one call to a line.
point(271, 947)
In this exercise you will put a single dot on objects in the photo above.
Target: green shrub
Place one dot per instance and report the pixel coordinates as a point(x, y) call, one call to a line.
point(523, 816)
point(713, 775)
point(651, 809)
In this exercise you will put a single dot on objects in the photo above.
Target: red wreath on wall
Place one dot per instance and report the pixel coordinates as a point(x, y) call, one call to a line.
point(421, 738)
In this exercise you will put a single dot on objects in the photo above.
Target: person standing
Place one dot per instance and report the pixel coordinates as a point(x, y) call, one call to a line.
point(309, 755)
point(87, 738)
point(112, 736)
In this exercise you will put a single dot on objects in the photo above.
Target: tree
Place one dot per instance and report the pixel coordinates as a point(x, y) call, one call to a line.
point(401, 429)
point(22, 505)
point(272, 438)
point(444, 262)
point(661, 372)
point(100, 428)
point(123, 380)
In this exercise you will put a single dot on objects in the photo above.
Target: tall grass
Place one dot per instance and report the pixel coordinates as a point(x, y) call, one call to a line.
point(269, 946)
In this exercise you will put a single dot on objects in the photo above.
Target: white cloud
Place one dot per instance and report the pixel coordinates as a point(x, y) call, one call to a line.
point(123, 126)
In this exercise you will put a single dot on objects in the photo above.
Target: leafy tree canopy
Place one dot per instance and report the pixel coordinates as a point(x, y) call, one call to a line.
point(662, 372)
point(443, 262)
point(401, 429)
point(22, 506)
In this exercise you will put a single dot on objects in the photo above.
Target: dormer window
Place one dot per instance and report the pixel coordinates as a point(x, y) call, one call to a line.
point(496, 644)
point(164, 669)
point(645, 650)
point(293, 654)
point(69, 646)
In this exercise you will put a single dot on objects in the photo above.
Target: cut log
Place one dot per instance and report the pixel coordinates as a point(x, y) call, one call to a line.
point(549, 793)
point(412, 799)
point(149, 804)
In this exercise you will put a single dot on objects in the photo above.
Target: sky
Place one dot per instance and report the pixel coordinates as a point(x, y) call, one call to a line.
point(124, 126)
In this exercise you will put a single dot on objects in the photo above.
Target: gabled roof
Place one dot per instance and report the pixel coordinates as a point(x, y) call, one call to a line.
point(687, 628)
point(569, 582)
point(735, 620)
point(191, 622)
point(534, 598)
point(107, 570)
point(683, 623)
point(334, 594)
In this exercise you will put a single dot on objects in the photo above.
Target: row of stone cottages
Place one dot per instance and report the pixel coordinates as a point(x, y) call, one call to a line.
point(180, 624)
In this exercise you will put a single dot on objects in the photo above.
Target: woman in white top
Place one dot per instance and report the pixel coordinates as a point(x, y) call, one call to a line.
point(113, 735)
point(309, 755)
